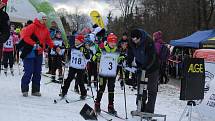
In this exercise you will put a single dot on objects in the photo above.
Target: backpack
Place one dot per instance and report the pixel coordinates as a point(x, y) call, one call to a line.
point(164, 53)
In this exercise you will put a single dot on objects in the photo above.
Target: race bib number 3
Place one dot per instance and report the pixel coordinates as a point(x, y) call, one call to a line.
point(77, 59)
point(108, 64)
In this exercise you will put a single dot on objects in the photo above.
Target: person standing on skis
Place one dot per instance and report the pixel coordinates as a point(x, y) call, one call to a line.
point(8, 51)
point(107, 72)
point(78, 60)
point(57, 55)
point(36, 36)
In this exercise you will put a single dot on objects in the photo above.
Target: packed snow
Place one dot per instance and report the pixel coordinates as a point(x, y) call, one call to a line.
point(15, 107)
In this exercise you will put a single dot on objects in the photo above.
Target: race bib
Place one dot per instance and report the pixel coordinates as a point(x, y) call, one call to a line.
point(9, 43)
point(108, 64)
point(58, 43)
point(78, 60)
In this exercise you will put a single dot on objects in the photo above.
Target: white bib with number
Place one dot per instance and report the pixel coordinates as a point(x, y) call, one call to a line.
point(78, 60)
point(9, 43)
point(108, 64)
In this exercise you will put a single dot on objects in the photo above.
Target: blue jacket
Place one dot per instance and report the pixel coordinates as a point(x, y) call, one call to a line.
point(145, 53)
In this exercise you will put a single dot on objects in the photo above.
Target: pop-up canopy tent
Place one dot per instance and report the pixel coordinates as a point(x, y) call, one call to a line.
point(210, 43)
point(196, 40)
point(21, 11)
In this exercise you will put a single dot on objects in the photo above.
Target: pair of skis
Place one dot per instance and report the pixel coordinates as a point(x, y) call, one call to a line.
point(109, 119)
point(69, 100)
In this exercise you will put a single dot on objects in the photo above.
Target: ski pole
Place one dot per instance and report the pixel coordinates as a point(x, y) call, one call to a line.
point(64, 70)
point(126, 111)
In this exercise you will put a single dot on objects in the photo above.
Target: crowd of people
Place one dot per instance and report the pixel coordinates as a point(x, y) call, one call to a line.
point(92, 52)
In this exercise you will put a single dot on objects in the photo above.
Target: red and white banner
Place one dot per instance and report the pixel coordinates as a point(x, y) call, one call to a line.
point(207, 106)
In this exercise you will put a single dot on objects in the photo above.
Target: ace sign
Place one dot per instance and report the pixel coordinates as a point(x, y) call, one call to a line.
point(193, 80)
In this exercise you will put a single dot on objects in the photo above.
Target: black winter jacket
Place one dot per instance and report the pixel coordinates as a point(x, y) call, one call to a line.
point(144, 53)
point(4, 27)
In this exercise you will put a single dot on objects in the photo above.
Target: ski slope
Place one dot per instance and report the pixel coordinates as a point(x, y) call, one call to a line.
point(15, 107)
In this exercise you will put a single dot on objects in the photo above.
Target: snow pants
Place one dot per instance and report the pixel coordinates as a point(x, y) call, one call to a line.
point(110, 82)
point(32, 72)
point(8, 57)
point(79, 80)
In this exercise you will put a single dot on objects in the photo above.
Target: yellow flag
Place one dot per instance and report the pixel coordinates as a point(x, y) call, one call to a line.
point(97, 19)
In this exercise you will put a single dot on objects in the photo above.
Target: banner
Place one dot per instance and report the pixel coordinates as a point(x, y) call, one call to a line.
point(97, 19)
point(193, 80)
point(21, 11)
point(46, 7)
point(207, 107)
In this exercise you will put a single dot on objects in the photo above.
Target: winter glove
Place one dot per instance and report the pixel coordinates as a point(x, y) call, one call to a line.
point(121, 59)
point(38, 48)
point(58, 50)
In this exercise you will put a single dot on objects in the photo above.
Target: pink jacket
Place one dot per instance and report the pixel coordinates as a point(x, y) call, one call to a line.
point(9, 45)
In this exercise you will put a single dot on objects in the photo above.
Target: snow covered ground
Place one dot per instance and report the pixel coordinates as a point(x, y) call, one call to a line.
point(15, 107)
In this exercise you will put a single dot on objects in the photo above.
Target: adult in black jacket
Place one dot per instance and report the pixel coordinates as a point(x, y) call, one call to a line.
point(143, 49)
point(4, 27)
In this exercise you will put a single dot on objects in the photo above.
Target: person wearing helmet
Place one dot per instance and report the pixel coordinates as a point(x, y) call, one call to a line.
point(52, 30)
point(57, 56)
point(143, 49)
point(4, 27)
point(92, 65)
point(123, 48)
point(107, 72)
point(78, 60)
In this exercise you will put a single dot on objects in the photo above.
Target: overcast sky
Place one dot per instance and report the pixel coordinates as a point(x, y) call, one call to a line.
point(85, 6)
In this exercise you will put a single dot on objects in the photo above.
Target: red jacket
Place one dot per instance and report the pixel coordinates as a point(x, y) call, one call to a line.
point(39, 30)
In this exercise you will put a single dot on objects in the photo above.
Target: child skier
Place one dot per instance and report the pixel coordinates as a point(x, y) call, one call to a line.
point(107, 72)
point(8, 53)
point(123, 48)
point(79, 57)
point(92, 65)
point(57, 56)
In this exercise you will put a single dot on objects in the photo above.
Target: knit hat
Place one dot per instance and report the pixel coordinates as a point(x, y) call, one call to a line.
point(41, 16)
point(112, 38)
point(136, 33)
point(80, 38)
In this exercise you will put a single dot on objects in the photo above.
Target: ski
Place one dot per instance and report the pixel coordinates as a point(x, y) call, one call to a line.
point(113, 115)
point(61, 99)
point(105, 118)
point(77, 100)
point(69, 101)
point(57, 82)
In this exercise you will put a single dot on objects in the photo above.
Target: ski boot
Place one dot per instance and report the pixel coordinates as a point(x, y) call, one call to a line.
point(97, 108)
point(111, 110)
point(83, 97)
point(60, 79)
point(25, 94)
point(5, 71)
point(11, 71)
point(38, 94)
point(53, 79)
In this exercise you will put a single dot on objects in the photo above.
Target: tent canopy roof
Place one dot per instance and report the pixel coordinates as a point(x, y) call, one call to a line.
point(195, 40)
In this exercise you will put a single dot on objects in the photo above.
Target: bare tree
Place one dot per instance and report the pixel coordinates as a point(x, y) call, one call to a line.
point(76, 20)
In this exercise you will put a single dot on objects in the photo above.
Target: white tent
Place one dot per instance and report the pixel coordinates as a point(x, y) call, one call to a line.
point(21, 11)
